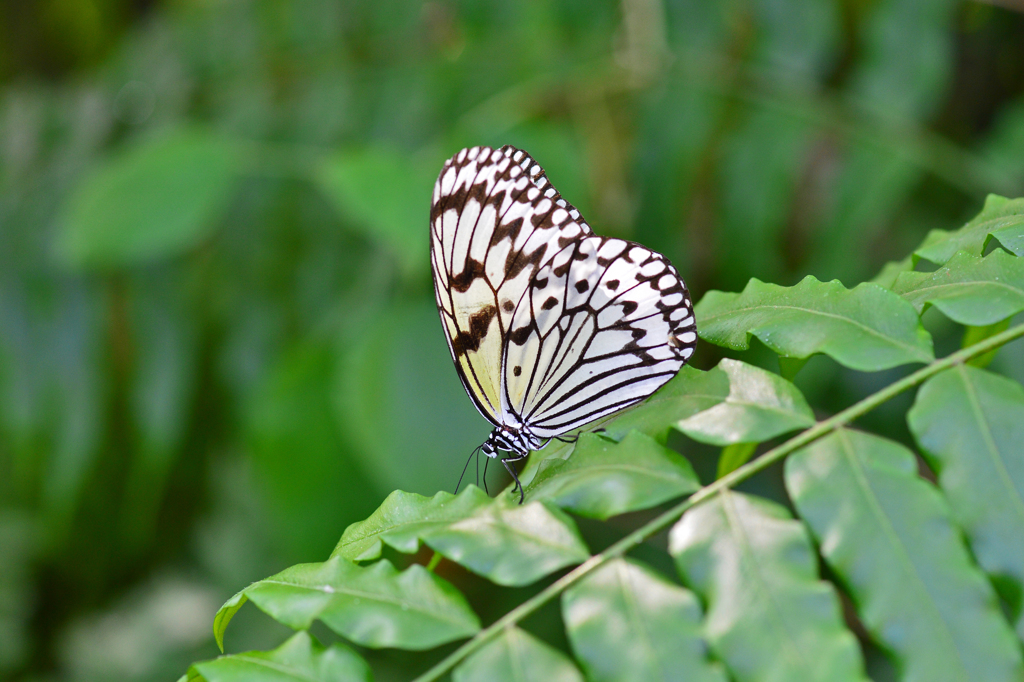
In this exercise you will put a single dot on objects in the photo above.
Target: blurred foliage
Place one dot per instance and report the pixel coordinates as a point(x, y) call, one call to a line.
point(217, 346)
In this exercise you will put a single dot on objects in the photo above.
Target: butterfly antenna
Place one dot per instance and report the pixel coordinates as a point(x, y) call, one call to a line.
point(459, 484)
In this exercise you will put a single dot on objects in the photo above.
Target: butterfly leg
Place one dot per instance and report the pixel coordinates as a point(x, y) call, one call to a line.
point(515, 477)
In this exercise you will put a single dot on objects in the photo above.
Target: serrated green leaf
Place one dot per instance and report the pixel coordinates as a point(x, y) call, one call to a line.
point(375, 606)
point(757, 406)
point(1001, 219)
point(969, 289)
point(386, 194)
point(516, 656)
point(403, 519)
point(154, 199)
point(496, 538)
point(509, 543)
point(867, 328)
point(603, 478)
point(769, 616)
point(969, 424)
point(689, 392)
point(300, 659)
point(888, 535)
point(626, 622)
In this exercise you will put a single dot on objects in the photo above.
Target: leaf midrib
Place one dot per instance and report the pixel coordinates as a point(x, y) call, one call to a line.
point(873, 332)
point(965, 283)
point(369, 596)
point(279, 667)
point(993, 450)
point(872, 501)
point(635, 616)
point(732, 518)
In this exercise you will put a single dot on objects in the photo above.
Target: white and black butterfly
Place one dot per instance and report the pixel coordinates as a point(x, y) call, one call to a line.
point(549, 325)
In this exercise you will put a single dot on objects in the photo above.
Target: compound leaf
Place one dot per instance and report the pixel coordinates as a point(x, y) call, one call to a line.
point(888, 535)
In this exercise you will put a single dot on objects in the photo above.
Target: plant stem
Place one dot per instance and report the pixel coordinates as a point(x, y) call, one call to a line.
point(744, 472)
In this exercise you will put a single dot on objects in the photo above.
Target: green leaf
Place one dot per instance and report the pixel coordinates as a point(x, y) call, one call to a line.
point(509, 543)
point(757, 406)
point(603, 478)
point(1001, 219)
point(769, 617)
point(888, 536)
point(375, 606)
point(867, 328)
point(734, 402)
point(517, 656)
point(224, 616)
point(733, 457)
point(969, 289)
point(404, 519)
point(496, 538)
point(626, 622)
point(152, 200)
point(689, 392)
point(969, 424)
point(300, 659)
point(385, 194)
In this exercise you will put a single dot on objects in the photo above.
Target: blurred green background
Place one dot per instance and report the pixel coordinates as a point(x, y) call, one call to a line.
point(218, 345)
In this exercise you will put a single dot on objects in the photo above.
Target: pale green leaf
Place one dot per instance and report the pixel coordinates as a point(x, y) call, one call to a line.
point(769, 616)
point(626, 622)
point(689, 392)
point(759, 405)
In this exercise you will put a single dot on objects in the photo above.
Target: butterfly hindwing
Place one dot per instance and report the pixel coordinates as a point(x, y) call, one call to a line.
point(605, 323)
point(494, 220)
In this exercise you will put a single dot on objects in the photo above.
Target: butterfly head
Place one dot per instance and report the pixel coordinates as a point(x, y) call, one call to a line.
point(518, 441)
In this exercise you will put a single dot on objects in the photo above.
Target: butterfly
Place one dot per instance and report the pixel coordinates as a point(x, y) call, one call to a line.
point(550, 326)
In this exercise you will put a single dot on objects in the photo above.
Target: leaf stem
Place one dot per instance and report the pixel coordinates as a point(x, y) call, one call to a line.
point(744, 472)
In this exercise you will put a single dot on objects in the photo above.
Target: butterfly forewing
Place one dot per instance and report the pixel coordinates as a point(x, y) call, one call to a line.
point(494, 220)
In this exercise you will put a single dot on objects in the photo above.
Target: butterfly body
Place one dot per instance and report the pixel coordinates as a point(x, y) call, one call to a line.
point(550, 326)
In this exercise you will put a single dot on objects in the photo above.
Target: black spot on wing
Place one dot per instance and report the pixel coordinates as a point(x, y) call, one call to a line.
point(478, 324)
